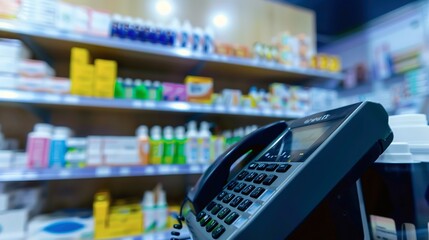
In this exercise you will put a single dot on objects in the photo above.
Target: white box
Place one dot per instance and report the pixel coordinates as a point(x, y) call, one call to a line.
point(4, 201)
point(12, 224)
point(122, 159)
point(35, 69)
point(57, 85)
point(6, 158)
point(99, 23)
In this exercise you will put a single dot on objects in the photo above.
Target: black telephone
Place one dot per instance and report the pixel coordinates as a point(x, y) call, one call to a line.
point(289, 169)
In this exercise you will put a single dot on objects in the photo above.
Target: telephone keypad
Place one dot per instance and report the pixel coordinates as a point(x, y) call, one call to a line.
point(228, 198)
point(221, 195)
point(210, 206)
point(216, 209)
point(257, 192)
point(260, 178)
point(262, 166)
point(269, 180)
point(231, 218)
point(236, 201)
point(283, 168)
point(232, 185)
point(206, 219)
point(218, 232)
point(239, 187)
point(211, 225)
point(244, 205)
point(253, 166)
point(248, 190)
point(200, 216)
point(222, 214)
point(242, 175)
point(250, 177)
point(271, 167)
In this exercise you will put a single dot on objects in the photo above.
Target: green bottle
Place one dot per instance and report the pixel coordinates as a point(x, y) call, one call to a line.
point(180, 145)
point(119, 88)
point(140, 90)
point(168, 146)
point(156, 146)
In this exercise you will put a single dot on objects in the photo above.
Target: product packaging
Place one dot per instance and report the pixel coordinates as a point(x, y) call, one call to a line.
point(199, 89)
point(38, 145)
point(105, 78)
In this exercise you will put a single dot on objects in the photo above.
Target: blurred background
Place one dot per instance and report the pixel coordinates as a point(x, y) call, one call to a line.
point(113, 109)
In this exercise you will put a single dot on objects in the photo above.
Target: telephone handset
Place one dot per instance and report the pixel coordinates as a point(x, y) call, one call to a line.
point(292, 167)
point(216, 176)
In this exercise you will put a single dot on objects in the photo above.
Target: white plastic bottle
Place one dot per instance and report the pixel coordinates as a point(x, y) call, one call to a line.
point(38, 143)
point(58, 147)
point(176, 32)
point(192, 143)
point(186, 35)
point(161, 210)
point(149, 212)
point(156, 145)
point(143, 144)
point(204, 138)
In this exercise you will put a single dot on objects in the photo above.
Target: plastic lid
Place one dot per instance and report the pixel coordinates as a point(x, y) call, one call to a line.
point(138, 82)
point(142, 131)
point(147, 82)
point(162, 198)
point(128, 81)
point(62, 132)
point(168, 132)
point(227, 134)
point(156, 83)
point(148, 200)
point(119, 79)
point(397, 152)
point(240, 132)
point(180, 132)
point(43, 127)
point(204, 126)
point(248, 130)
point(192, 125)
point(128, 19)
point(155, 132)
point(410, 128)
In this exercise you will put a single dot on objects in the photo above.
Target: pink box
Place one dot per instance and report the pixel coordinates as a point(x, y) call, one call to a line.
point(174, 92)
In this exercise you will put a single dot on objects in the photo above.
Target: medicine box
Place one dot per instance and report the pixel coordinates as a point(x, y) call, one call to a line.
point(199, 89)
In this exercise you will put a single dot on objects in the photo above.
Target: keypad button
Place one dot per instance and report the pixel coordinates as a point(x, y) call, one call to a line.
point(250, 177)
point(253, 166)
point(218, 232)
point(242, 175)
point(231, 218)
point(271, 167)
point(260, 178)
point(283, 167)
point(211, 225)
point(221, 195)
point(248, 190)
point(232, 185)
point(217, 208)
point(228, 198)
point(258, 192)
point(237, 200)
point(244, 205)
point(222, 214)
point(200, 215)
point(210, 206)
point(239, 187)
point(262, 166)
point(206, 219)
point(269, 180)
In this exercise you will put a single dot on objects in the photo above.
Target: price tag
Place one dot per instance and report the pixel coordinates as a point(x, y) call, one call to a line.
point(64, 173)
point(149, 104)
point(194, 169)
point(51, 32)
point(103, 171)
point(233, 109)
point(29, 96)
point(220, 108)
point(52, 98)
point(137, 104)
point(14, 175)
point(71, 99)
point(163, 169)
point(174, 169)
point(30, 175)
point(278, 113)
point(124, 171)
point(267, 112)
point(149, 170)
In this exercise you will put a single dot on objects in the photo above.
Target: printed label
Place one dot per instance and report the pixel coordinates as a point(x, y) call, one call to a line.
point(383, 228)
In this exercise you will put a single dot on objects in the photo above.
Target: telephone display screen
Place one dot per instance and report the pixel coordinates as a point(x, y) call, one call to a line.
point(298, 143)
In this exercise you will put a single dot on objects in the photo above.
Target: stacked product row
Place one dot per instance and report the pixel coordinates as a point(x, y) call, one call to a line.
point(288, 49)
point(22, 217)
point(55, 147)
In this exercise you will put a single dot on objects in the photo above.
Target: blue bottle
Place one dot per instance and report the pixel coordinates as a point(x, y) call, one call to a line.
point(58, 147)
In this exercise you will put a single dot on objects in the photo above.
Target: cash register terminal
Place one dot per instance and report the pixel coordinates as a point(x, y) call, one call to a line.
point(285, 171)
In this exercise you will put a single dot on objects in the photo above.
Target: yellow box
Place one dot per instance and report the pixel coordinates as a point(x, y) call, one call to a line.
point(79, 56)
point(199, 89)
point(105, 78)
point(82, 79)
point(116, 221)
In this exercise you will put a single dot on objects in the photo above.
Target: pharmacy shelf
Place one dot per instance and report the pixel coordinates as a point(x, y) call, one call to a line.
point(15, 96)
point(130, 53)
point(166, 235)
point(15, 175)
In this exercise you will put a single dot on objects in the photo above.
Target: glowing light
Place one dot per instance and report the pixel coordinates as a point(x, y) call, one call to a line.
point(220, 20)
point(163, 7)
